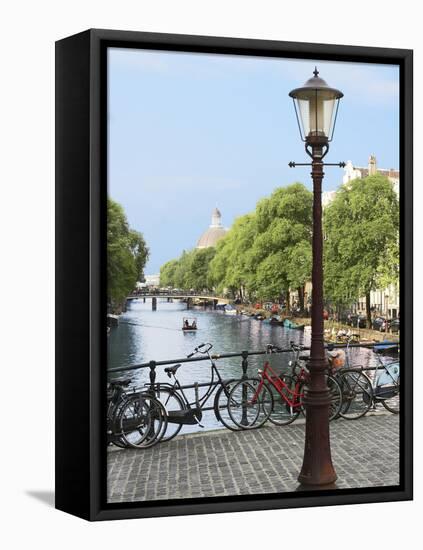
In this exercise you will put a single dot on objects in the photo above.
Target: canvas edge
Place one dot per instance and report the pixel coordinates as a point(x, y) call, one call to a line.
point(92, 467)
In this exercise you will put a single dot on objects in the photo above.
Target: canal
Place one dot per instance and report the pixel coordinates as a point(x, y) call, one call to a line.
point(144, 335)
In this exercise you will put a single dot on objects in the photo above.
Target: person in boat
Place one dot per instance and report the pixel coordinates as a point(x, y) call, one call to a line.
point(186, 323)
point(194, 324)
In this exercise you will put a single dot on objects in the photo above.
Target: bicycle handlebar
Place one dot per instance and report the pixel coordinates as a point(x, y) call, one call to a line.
point(198, 349)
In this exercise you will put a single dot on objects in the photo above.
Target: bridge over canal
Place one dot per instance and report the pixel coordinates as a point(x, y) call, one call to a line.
point(188, 296)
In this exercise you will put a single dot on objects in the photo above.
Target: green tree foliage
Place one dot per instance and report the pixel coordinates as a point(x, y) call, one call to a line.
point(280, 255)
point(361, 247)
point(230, 268)
point(190, 270)
point(127, 254)
point(168, 273)
point(255, 256)
point(264, 254)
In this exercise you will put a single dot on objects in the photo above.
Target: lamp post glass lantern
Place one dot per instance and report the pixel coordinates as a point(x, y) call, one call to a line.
point(316, 107)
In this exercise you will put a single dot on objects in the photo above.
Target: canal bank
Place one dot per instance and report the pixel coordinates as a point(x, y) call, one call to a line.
point(365, 453)
point(330, 326)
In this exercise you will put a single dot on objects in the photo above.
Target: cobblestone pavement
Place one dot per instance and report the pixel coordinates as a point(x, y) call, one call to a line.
point(365, 453)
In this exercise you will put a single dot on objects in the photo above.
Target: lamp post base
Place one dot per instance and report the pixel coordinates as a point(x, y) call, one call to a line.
point(317, 468)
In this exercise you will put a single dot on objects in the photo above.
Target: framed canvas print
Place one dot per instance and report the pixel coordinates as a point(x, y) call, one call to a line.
point(234, 274)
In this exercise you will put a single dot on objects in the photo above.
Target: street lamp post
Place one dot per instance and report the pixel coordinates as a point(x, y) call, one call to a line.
point(316, 108)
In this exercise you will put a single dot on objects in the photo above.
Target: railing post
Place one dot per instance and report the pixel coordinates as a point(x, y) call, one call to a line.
point(152, 374)
point(151, 432)
point(244, 419)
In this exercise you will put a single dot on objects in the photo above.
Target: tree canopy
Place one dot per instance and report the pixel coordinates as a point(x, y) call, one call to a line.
point(265, 252)
point(127, 254)
point(190, 270)
point(361, 240)
point(268, 252)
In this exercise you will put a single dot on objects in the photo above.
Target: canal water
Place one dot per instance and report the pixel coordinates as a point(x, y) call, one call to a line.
point(144, 335)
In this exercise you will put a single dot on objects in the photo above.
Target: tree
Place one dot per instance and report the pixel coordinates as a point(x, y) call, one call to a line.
point(361, 248)
point(230, 267)
point(127, 254)
point(190, 270)
point(254, 257)
point(168, 273)
point(281, 251)
point(198, 272)
point(299, 264)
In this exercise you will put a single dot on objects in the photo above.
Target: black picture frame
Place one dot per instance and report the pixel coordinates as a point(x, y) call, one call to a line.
point(81, 192)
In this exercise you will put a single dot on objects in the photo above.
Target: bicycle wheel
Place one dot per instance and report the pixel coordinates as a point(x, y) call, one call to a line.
point(142, 421)
point(286, 405)
point(173, 403)
point(247, 406)
point(114, 437)
point(357, 393)
point(221, 411)
point(392, 404)
point(335, 398)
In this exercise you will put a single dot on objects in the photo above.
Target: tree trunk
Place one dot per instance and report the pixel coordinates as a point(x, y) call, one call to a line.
point(368, 311)
point(288, 305)
point(301, 298)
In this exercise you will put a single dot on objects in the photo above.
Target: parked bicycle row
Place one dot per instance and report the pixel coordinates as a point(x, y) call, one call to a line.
point(143, 417)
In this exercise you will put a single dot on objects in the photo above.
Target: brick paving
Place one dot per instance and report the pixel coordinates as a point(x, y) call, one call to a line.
point(365, 453)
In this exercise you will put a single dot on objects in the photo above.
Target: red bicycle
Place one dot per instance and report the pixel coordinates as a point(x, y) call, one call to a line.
point(276, 397)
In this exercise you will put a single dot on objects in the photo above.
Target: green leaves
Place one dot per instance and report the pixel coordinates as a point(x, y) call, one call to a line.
point(127, 254)
point(361, 228)
point(254, 255)
point(268, 252)
point(190, 270)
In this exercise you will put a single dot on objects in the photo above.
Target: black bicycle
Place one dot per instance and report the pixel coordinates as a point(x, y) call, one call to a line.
point(116, 396)
point(135, 418)
point(183, 411)
point(361, 392)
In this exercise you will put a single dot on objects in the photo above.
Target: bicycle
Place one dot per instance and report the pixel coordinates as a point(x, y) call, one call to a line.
point(180, 410)
point(386, 385)
point(115, 399)
point(360, 393)
point(133, 420)
point(277, 398)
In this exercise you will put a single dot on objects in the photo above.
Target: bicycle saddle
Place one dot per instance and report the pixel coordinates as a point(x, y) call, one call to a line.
point(172, 369)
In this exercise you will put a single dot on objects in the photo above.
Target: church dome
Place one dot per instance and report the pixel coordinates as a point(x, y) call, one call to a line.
point(214, 233)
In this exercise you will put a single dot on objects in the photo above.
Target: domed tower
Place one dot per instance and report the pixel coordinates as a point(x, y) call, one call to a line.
point(214, 233)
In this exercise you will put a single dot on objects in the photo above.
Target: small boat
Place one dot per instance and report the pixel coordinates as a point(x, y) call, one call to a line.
point(288, 323)
point(276, 320)
point(189, 324)
point(386, 346)
point(259, 317)
point(230, 309)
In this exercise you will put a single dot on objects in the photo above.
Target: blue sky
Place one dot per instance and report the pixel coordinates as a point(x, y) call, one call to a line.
point(188, 132)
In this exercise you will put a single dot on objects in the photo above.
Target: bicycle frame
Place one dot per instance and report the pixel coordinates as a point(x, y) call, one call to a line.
point(194, 410)
point(270, 376)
